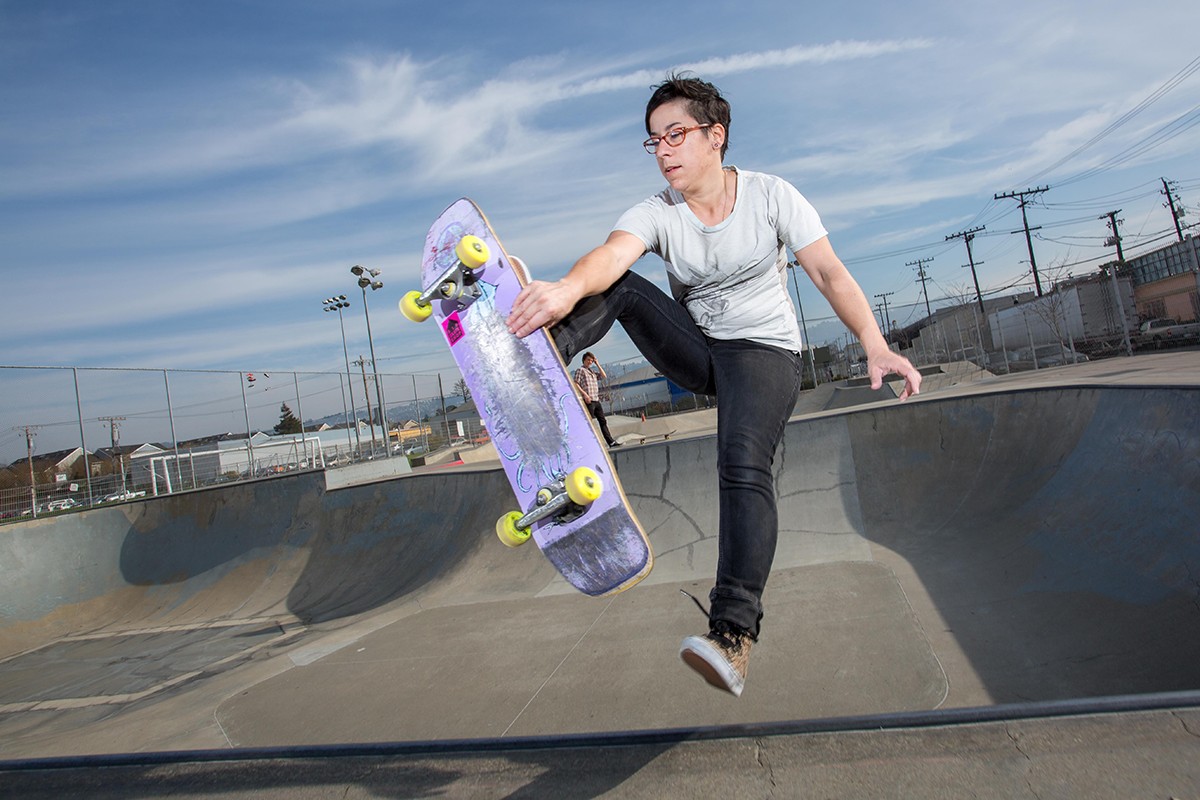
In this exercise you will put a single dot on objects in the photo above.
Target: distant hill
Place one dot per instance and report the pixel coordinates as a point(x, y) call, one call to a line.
point(396, 413)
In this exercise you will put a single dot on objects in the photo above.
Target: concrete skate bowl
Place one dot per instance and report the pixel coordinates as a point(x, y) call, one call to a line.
point(1055, 533)
point(1045, 541)
point(1037, 545)
point(281, 549)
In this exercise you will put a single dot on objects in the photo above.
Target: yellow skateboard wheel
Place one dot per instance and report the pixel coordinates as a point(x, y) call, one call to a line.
point(472, 252)
point(584, 486)
point(509, 533)
point(411, 308)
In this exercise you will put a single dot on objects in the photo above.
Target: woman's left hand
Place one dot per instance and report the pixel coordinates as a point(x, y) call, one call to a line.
point(886, 362)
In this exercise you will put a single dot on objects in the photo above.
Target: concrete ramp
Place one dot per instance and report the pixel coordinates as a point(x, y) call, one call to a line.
point(857, 395)
point(985, 548)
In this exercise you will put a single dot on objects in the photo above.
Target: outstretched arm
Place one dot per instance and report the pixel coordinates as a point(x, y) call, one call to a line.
point(543, 303)
point(838, 286)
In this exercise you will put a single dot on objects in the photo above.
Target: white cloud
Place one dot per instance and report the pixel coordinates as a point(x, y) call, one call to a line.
point(749, 62)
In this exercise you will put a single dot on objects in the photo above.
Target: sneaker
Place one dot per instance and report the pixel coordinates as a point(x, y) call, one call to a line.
point(721, 656)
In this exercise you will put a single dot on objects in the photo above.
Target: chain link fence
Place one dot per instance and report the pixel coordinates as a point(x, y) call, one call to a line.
point(72, 437)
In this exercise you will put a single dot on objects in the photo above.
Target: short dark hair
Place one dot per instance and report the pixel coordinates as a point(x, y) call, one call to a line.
point(704, 102)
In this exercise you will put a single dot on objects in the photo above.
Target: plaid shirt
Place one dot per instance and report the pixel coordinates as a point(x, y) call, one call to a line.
point(588, 382)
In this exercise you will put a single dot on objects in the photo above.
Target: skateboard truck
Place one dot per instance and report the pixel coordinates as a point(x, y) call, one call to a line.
point(458, 282)
point(563, 499)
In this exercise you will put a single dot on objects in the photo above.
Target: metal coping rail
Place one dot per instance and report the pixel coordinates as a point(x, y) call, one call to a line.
point(1113, 704)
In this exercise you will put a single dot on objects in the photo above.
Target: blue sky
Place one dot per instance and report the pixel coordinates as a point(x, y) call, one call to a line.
point(182, 183)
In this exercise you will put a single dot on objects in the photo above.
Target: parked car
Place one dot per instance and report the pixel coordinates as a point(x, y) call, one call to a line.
point(972, 354)
point(1007, 361)
point(62, 505)
point(126, 495)
point(1047, 355)
point(1166, 332)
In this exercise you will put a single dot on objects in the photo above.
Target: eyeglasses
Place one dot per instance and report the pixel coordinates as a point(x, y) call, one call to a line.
point(673, 137)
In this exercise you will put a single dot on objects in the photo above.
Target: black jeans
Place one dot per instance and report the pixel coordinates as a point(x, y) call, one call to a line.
point(756, 387)
point(597, 412)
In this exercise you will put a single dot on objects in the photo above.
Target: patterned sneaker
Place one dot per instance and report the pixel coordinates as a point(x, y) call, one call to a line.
point(721, 656)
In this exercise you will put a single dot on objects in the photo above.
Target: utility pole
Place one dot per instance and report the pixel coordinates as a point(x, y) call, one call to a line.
point(1115, 239)
point(445, 414)
point(967, 236)
point(922, 277)
point(30, 432)
point(362, 364)
point(1176, 212)
point(1020, 197)
point(114, 426)
point(886, 317)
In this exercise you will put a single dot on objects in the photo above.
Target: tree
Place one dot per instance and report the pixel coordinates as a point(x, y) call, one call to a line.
point(462, 389)
point(288, 422)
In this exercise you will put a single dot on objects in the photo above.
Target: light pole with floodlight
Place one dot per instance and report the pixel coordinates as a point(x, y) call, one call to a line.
point(366, 278)
point(337, 304)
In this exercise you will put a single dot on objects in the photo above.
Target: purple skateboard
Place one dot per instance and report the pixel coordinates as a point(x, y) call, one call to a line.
point(528, 403)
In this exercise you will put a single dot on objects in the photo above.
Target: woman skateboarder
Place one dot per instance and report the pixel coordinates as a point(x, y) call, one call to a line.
point(730, 330)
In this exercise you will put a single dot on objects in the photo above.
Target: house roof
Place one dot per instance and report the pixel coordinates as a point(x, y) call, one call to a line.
point(57, 458)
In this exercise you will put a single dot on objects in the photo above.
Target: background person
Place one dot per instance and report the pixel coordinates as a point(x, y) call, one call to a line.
point(588, 378)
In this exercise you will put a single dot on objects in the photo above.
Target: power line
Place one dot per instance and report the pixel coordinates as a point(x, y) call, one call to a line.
point(1181, 124)
point(1145, 103)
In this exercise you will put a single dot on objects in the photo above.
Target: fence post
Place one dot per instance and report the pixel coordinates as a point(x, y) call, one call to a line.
point(346, 415)
point(87, 469)
point(174, 438)
point(246, 413)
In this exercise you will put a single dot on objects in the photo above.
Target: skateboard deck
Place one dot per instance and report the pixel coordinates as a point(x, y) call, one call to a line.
point(529, 404)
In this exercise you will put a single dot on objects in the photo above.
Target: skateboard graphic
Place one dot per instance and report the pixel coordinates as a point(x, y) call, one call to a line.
point(571, 502)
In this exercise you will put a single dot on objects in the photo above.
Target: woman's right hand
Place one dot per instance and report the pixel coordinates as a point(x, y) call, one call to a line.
point(541, 304)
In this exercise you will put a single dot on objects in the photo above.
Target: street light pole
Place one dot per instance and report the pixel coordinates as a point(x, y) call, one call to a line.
point(337, 304)
point(812, 362)
point(366, 277)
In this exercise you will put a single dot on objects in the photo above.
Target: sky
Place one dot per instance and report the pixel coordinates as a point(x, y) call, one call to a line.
point(182, 183)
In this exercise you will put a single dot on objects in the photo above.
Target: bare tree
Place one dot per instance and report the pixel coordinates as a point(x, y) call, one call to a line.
point(1050, 308)
point(461, 388)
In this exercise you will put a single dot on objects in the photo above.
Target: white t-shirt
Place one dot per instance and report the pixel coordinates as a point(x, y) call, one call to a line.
point(732, 277)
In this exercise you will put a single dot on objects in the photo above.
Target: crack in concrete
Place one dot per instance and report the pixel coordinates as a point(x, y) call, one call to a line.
point(1187, 567)
point(1183, 723)
point(760, 755)
point(1016, 742)
point(809, 490)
